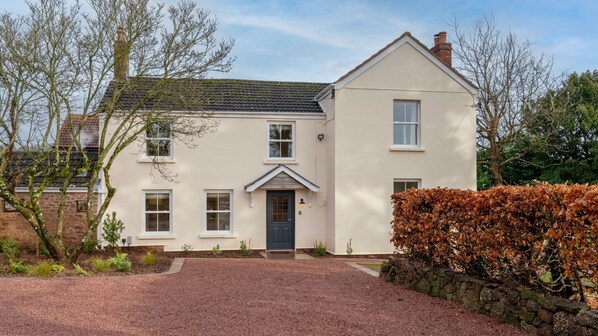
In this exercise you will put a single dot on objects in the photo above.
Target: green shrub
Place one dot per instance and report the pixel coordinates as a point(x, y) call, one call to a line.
point(43, 249)
point(113, 227)
point(80, 271)
point(17, 267)
point(186, 248)
point(149, 258)
point(90, 245)
point(9, 248)
point(246, 249)
point(349, 247)
point(120, 263)
point(45, 268)
point(320, 248)
point(99, 265)
point(216, 250)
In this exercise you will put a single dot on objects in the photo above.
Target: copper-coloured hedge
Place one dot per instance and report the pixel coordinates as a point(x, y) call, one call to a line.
point(508, 233)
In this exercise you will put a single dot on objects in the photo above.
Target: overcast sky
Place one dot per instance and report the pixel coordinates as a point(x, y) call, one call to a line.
point(320, 40)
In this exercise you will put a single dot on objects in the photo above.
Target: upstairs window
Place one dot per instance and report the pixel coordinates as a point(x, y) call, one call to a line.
point(158, 140)
point(280, 141)
point(405, 123)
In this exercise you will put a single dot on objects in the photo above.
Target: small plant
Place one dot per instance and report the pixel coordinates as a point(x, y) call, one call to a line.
point(216, 250)
point(45, 269)
point(149, 258)
point(113, 227)
point(349, 247)
point(320, 248)
point(186, 248)
point(41, 248)
point(90, 245)
point(17, 267)
point(246, 249)
point(99, 265)
point(79, 270)
point(120, 263)
point(9, 248)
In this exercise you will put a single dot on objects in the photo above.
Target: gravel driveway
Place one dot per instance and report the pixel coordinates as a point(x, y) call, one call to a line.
point(234, 297)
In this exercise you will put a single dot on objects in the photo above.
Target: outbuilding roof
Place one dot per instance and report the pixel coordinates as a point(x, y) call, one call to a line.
point(21, 162)
point(88, 134)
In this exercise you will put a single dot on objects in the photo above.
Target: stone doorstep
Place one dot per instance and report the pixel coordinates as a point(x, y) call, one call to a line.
point(285, 255)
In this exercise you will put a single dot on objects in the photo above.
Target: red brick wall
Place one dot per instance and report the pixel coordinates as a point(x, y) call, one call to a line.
point(13, 225)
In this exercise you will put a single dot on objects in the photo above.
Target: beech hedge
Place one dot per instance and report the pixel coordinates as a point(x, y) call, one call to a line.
point(543, 236)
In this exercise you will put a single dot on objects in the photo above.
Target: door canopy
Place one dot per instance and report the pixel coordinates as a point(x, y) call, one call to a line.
point(281, 178)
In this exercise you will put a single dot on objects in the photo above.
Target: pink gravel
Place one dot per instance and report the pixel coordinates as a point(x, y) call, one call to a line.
point(235, 297)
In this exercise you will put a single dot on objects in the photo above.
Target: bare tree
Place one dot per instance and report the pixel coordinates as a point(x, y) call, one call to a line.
point(57, 61)
point(511, 79)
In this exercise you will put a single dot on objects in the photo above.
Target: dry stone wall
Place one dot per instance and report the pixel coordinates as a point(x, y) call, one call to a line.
point(532, 312)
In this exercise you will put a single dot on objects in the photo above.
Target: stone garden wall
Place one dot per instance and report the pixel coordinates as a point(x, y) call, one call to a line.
point(13, 225)
point(533, 312)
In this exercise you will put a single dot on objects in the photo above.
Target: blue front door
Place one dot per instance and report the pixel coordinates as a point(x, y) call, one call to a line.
point(280, 224)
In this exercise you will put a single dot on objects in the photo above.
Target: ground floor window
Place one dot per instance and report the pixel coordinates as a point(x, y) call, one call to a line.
point(403, 185)
point(157, 211)
point(218, 211)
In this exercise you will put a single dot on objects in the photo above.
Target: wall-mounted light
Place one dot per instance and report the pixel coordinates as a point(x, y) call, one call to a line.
point(301, 204)
point(321, 136)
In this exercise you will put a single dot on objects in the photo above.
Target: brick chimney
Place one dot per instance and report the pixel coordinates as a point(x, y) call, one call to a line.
point(442, 49)
point(121, 56)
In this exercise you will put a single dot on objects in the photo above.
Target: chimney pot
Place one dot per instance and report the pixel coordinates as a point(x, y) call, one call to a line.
point(442, 49)
point(441, 37)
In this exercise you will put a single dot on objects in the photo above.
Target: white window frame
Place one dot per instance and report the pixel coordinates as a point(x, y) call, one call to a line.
point(404, 180)
point(292, 141)
point(171, 139)
point(144, 212)
point(230, 212)
point(417, 124)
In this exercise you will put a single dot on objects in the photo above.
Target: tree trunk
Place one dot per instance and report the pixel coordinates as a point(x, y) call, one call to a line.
point(495, 165)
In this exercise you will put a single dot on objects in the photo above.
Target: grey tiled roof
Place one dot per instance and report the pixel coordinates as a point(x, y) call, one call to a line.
point(22, 162)
point(218, 95)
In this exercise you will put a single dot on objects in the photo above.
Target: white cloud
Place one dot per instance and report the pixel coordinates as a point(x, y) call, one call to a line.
point(303, 30)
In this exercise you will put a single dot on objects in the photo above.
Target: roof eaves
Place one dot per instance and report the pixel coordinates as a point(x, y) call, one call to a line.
point(407, 35)
point(372, 57)
point(324, 92)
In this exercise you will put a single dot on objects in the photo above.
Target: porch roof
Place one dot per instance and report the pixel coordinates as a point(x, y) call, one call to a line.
point(281, 170)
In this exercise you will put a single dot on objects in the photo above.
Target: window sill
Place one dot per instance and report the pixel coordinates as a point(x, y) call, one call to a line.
point(278, 162)
point(150, 160)
point(207, 235)
point(155, 237)
point(407, 149)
